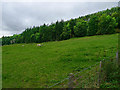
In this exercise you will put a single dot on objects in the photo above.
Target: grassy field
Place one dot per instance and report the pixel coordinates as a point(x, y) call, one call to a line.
point(30, 66)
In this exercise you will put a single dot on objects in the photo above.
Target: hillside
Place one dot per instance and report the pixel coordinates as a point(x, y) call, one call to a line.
point(100, 23)
point(31, 66)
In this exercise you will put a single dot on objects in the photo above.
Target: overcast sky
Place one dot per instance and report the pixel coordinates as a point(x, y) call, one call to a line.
point(16, 16)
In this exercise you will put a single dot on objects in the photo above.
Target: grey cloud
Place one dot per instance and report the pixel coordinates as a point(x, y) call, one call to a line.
point(18, 16)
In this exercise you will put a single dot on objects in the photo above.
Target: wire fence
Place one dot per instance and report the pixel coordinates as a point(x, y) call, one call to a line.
point(90, 77)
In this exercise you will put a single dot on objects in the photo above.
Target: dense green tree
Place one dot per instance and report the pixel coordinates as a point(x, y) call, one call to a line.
point(71, 25)
point(53, 32)
point(107, 24)
point(6, 40)
point(32, 37)
point(93, 25)
point(37, 37)
point(59, 29)
point(66, 32)
point(80, 29)
point(102, 22)
point(117, 17)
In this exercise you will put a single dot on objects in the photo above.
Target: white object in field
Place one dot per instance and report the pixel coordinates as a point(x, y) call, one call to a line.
point(23, 45)
point(40, 45)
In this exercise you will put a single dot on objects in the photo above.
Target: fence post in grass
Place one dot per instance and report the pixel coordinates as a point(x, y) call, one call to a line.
point(96, 76)
point(100, 73)
point(117, 57)
point(71, 80)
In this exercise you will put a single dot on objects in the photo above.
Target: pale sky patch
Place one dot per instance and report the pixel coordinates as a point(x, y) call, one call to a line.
point(17, 15)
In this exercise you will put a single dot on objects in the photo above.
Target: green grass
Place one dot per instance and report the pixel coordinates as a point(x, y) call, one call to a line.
point(36, 67)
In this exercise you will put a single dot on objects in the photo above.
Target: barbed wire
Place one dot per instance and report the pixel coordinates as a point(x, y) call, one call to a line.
point(86, 68)
point(105, 59)
point(74, 74)
point(59, 82)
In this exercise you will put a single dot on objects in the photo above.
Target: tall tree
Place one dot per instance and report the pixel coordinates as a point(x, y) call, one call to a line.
point(107, 24)
point(93, 25)
point(59, 29)
point(72, 24)
point(81, 28)
point(66, 32)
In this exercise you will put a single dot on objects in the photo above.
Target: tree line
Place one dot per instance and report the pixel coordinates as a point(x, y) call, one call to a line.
point(100, 23)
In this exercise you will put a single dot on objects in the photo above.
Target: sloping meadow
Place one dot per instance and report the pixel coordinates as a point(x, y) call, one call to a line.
point(31, 66)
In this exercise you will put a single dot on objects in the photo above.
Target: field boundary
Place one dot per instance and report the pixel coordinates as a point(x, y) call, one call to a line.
point(96, 71)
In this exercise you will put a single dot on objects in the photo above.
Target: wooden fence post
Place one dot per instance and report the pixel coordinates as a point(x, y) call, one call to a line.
point(100, 73)
point(71, 80)
point(117, 57)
